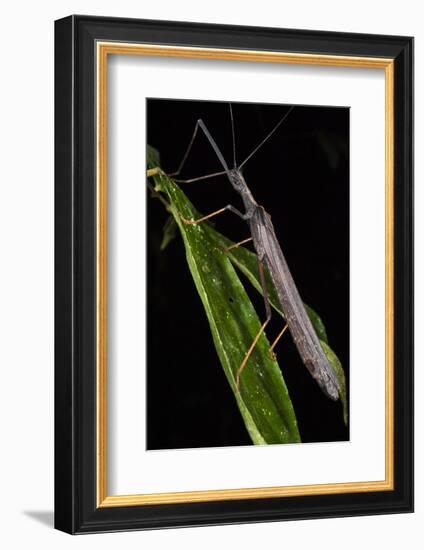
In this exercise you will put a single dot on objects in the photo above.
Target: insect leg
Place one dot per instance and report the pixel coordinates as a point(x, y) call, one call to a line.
point(262, 280)
point(201, 124)
point(229, 207)
point(249, 353)
point(271, 349)
point(192, 180)
point(268, 317)
point(236, 245)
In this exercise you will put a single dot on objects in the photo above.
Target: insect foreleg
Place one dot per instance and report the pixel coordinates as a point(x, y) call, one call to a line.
point(207, 176)
point(201, 124)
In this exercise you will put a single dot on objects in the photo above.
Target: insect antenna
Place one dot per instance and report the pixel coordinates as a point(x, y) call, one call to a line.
point(267, 137)
point(234, 136)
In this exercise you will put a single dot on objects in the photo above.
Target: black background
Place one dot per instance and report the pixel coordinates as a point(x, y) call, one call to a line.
point(301, 177)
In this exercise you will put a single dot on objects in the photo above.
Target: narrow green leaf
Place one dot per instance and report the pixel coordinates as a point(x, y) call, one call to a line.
point(338, 369)
point(153, 157)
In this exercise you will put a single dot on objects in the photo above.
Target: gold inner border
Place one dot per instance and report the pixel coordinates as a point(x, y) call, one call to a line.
point(104, 49)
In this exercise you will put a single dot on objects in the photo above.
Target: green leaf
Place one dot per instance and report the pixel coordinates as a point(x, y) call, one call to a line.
point(338, 369)
point(263, 399)
point(169, 232)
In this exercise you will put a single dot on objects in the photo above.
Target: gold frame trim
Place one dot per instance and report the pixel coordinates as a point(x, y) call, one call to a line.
point(104, 49)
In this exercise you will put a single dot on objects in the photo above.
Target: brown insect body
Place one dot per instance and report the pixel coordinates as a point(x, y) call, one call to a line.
point(304, 336)
point(269, 252)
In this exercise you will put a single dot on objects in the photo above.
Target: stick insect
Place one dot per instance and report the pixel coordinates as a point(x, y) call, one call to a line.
point(269, 253)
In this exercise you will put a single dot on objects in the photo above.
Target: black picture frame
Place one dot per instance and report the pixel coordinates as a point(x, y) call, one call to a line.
point(77, 508)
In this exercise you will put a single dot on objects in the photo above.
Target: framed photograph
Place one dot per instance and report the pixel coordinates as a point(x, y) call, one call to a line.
point(233, 274)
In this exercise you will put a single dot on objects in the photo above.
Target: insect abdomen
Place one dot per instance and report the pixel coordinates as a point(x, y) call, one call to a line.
point(300, 326)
